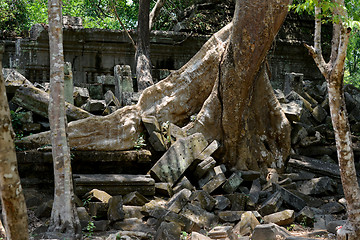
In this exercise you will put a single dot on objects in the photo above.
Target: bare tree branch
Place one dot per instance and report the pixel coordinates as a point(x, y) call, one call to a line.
point(155, 12)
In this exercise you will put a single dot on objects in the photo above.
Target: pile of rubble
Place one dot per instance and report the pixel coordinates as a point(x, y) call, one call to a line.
point(188, 194)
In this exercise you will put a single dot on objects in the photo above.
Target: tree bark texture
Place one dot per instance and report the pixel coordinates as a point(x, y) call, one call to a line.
point(226, 84)
point(12, 198)
point(142, 55)
point(333, 71)
point(64, 221)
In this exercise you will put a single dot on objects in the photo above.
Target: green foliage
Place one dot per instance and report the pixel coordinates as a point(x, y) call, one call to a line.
point(16, 124)
point(184, 235)
point(89, 229)
point(13, 15)
point(140, 142)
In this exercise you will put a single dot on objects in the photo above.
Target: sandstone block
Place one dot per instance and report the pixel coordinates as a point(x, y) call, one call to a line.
point(199, 215)
point(233, 182)
point(163, 189)
point(271, 204)
point(204, 166)
point(282, 218)
point(238, 201)
point(132, 212)
point(319, 114)
point(179, 200)
point(203, 199)
point(222, 232)
point(222, 202)
point(178, 158)
point(97, 195)
point(269, 231)
point(291, 199)
point(247, 224)
point(230, 216)
point(115, 210)
point(318, 186)
point(168, 230)
point(135, 199)
point(198, 236)
point(98, 209)
point(184, 183)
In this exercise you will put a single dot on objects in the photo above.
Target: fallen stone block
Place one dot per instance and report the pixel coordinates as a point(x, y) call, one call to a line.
point(307, 215)
point(97, 195)
point(130, 235)
point(254, 193)
point(115, 209)
point(168, 230)
point(247, 224)
point(250, 175)
point(222, 232)
point(204, 166)
point(332, 226)
point(216, 181)
point(111, 100)
point(135, 199)
point(198, 236)
point(132, 212)
point(293, 82)
point(31, 127)
point(175, 132)
point(322, 220)
point(222, 202)
point(282, 218)
point(318, 186)
point(101, 225)
point(203, 199)
point(179, 200)
point(98, 210)
point(332, 208)
point(209, 150)
point(114, 184)
point(80, 95)
point(178, 158)
point(233, 182)
point(298, 133)
point(269, 231)
point(199, 216)
point(230, 216)
point(164, 189)
point(132, 224)
point(157, 141)
point(152, 205)
point(238, 201)
point(94, 106)
point(271, 204)
point(184, 183)
point(291, 199)
point(13, 80)
point(319, 114)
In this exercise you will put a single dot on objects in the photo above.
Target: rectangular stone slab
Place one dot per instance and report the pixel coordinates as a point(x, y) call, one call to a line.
point(114, 184)
point(178, 158)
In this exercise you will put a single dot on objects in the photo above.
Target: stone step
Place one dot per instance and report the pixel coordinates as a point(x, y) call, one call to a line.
point(114, 184)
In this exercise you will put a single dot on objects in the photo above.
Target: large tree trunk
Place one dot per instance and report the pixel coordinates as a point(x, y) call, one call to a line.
point(155, 12)
point(64, 222)
point(12, 198)
point(333, 72)
point(224, 84)
point(142, 56)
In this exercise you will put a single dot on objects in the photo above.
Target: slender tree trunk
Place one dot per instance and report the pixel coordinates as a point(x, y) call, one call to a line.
point(155, 12)
point(12, 198)
point(333, 71)
point(142, 56)
point(64, 220)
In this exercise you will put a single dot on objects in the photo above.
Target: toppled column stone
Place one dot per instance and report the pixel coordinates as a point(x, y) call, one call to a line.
point(178, 158)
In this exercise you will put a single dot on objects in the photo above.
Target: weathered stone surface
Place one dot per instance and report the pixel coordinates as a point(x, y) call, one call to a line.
point(132, 212)
point(132, 224)
point(254, 192)
point(233, 182)
point(293, 82)
point(131, 235)
point(209, 150)
point(179, 200)
point(98, 209)
point(307, 215)
point(315, 166)
point(318, 186)
point(222, 202)
point(204, 166)
point(203, 199)
point(229, 216)
point(222, 232)
point(199, 215)
point(114, 184)
point(199, 236)
point(238, 201)
point(269, 231)
point(168, 230)
point(298, 132)
point(151, 124)
point(135, 199)
point(80, 95)
point(247, 224)
point(282, 218)
point(178, 158)
point(272, 204)
point(97, 195)
point(115, 210)
point(36, 100)
point(319, 114)
point(123, 81)
point(291, 199)
point(332, 208)
point(96, 91)
point(31, 127)
point(68, 83)
point(101, 225)
point(94, 106)
point(322, 220)
point(14, 80)
point(216, 181)
point(176, 132)
point(250, 175)
point(293, 111)
point(184, 183)
point(111, 100)
point(163, 189)
point(332, 226)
